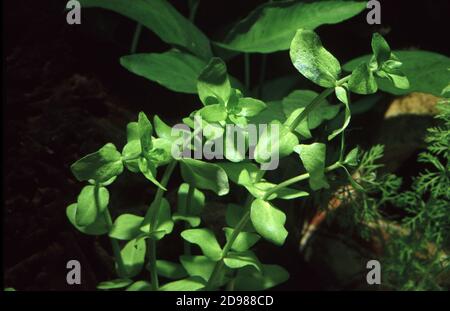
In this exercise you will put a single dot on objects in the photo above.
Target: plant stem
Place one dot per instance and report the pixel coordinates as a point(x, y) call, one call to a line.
point(193, 6)
point(137, 34)
point(262, 74)
point(247, 70)
point(189, 198)
point(153, 222)
point(114, 244)
point(297, 179)
point(246, 217)
point(315, 102)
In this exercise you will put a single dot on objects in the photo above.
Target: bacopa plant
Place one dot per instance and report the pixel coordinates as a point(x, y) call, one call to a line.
point(191, 67)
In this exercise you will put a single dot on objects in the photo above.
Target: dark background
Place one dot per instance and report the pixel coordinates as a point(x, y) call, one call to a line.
point(66, 95)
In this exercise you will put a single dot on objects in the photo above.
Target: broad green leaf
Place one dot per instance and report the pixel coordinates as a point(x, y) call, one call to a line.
point(145, 133)
point(352, 157)
point(242, 173)
point(313, 158)
point(126, 227)
point(250, 107)
point(200, 266)
point(161, 18)
point(161, 154)
point(139, 286)
point(162, 129)
point(273, 111)
point(192, 283)
point(213, 113)
point(278, 88)
point(170, 270)
point(362, 80)
point(299, 100)
point(204, 175)
point(206, 240)
point(272, 26)
point(164, 222)
point(342, 94)
point(173, 69)
point(132, 131)
point(133, 255)
point(213, 84)
point(148, 169)
point(91, 201)
point(244, 240)
point(234, 214)
point(427, 72)
point(312, 60)
point(275, 142)
point(237, 260)
point(250, 279)
point(268, 221)
point(114, 284)
point(99, 166)
point(380, 48)
point(98, 227)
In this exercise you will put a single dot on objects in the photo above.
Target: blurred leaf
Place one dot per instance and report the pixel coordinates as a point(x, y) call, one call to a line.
point(427, 72)
point(213, 84)
point(91, 201)
point(250, 279)
point(164, 20)
point(170, 270)
point(272, 26)
point(174, 70)
point(192, 283)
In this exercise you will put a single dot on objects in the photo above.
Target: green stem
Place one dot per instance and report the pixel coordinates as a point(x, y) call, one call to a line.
point(315, 102)
point(189, 198)
point(114, 243)
point(193, 6)
point(246, 217)
point(262, 75)
point(136, 36)
point(297, 179)
point(247, 70)
point(153, 222)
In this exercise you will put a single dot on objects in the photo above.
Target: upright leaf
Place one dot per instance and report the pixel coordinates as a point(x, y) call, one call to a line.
point(362, 80)
point(213, 84)
point(312, 60)
point(91, 201)
point(426, 71)
point(161, 18)
point(133, 255)
point(268, 221)
point(313, 158)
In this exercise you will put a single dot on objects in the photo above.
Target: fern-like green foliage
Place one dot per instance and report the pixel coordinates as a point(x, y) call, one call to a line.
point(416, 246)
